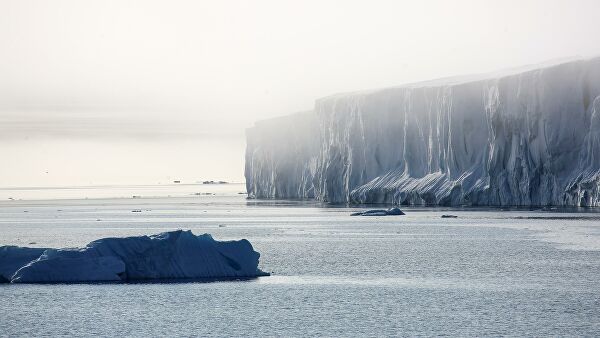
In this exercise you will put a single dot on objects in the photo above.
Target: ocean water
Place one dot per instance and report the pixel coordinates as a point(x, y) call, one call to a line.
point(486, 272)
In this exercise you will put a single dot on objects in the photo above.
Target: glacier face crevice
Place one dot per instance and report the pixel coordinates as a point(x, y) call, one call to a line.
point(519, 138)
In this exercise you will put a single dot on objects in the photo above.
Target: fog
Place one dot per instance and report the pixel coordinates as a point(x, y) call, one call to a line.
point(103, 92)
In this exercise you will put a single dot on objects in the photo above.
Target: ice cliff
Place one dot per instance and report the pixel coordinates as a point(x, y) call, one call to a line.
point(528, 136)
point(166, 256)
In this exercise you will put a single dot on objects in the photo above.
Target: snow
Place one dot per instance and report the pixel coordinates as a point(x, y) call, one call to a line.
point(169, 255)
point(523, 137)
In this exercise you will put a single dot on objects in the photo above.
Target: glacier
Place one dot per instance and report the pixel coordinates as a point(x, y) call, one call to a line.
point(523, 137)
point(174, 255)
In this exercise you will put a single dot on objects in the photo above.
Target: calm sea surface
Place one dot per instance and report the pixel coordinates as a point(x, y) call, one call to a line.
point(487, 272)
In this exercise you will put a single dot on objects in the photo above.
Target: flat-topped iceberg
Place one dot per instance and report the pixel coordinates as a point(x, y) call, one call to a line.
point(167, 256)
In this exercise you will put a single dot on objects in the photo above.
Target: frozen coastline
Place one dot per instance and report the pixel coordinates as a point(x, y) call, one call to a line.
point(529, 136)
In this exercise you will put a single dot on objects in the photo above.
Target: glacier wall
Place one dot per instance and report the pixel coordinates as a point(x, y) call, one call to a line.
point(523, 137)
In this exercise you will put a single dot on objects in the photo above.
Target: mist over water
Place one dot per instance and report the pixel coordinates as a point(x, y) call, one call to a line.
point(110, 91)
point(64, 162)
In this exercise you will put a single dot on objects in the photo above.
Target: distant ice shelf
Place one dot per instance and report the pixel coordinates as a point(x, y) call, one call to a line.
point(172, 255)
point(522, 137)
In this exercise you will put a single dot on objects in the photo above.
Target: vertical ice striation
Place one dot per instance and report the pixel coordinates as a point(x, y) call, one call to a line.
point(280, 156)
point(523, 137)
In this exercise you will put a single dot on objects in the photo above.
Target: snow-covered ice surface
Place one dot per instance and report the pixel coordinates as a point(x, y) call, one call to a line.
point(488, 272)
point(174, 255)
point(527, 136)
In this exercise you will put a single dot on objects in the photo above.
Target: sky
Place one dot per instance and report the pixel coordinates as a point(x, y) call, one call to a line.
point(146, 92)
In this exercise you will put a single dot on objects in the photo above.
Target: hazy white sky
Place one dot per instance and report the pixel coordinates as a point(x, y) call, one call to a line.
point(95, 92)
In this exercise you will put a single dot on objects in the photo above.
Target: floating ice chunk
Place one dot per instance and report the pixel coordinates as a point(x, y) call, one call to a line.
point(166, 256)
point(380, 212)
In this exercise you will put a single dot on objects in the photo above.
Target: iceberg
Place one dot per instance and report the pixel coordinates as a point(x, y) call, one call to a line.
point(172, 255)
point(380, 212)
point(522, 137)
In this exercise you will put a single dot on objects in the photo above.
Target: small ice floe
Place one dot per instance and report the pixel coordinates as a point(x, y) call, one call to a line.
point(449, 216)
point(380, 212)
